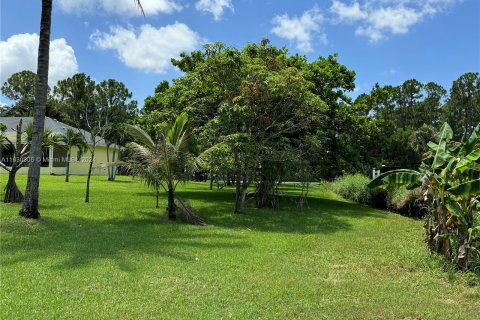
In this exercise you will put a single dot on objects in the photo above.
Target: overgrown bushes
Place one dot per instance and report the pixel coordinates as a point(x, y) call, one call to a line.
point(400, 200)
point(406, 202)
point(353, 187)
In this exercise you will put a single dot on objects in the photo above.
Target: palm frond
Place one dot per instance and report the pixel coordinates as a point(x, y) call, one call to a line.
point(139, 135)
point(177, 131)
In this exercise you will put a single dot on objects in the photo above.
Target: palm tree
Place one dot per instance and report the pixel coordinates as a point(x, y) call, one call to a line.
point(72, 138)
point(30, 203)
point(161, 162)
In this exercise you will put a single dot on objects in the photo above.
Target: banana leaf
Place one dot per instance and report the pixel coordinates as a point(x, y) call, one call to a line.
point(441, 156)
point(446, 132)
point(468, 161)
point(456, 211)
point(432, 145)
point(396, 178)
point(470, 188)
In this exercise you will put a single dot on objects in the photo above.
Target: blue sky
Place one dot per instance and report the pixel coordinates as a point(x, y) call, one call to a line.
point(385, 41)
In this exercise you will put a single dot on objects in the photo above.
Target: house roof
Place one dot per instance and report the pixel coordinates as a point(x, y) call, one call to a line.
point(54, 125)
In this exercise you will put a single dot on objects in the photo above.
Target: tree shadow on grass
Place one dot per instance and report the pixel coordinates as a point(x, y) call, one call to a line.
point(70, 240)
point(121, 181)
point(87, 241)
point(319, 216)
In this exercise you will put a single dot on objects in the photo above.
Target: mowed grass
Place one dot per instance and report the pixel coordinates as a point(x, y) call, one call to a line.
point(119, 258)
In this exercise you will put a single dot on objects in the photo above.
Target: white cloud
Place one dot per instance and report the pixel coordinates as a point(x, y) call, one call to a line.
point(119, 7)
point(215, 7)
point(148, 49)
point(301, 30)
point(380, 18)
point(19, 52)
point(346, 12)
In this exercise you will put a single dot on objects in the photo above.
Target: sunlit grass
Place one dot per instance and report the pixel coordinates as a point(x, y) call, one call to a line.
point(118, 257)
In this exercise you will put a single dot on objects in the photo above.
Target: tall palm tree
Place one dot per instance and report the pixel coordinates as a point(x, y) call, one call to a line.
point(161, 162)
point(30, 203)
point(72, 138)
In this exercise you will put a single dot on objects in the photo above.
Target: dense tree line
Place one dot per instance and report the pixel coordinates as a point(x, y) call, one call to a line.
point(260, 116)
point(390, 125)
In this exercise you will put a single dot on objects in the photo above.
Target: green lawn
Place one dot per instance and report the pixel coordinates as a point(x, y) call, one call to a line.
point(119, 258)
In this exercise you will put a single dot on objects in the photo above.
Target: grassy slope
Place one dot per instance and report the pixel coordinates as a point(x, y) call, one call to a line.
point(117, 257)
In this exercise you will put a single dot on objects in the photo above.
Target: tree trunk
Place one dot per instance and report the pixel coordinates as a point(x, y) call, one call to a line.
point(114, 168)
point(12, 193)
point(67, 170)
point(240, 193)
point(87, 191)
point(266, 194)
point(211, 180)
point(30, 203)
point(171, 209)
point(156, 191)
point(109, 174)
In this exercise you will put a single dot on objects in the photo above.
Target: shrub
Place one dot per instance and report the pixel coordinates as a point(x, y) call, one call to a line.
point(400, 200)
point(354, 187)
point(406, 202)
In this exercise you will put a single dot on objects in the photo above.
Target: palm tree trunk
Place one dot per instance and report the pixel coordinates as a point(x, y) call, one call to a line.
point(87, 191)
point(30, 203)
point(12, 193)
point(67, 171)
point(171, 209)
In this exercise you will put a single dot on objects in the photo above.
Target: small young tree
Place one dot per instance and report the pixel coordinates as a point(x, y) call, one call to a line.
point(161, 161)
point(72, 138)
point(21, 153)
point(80, 96)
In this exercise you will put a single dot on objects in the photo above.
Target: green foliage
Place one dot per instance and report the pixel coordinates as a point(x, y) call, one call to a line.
point(20, 88)
point(462, 109)
point(353, 187)
point(406, 202)
point(451, 193)
point(255, 102)
point(161, 161)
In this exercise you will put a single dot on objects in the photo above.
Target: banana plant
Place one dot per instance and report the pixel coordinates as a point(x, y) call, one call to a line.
point(450, 181)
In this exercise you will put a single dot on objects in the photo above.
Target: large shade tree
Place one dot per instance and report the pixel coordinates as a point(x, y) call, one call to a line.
point(255, 102)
